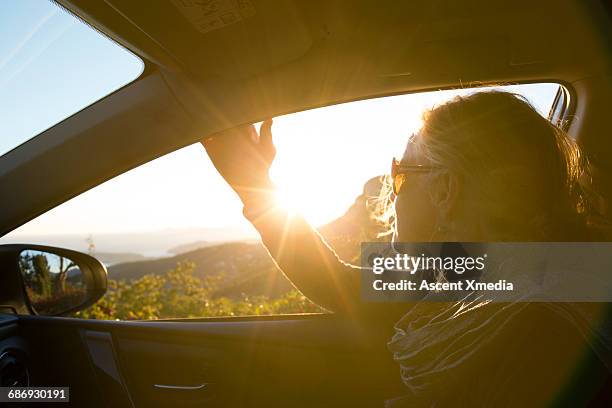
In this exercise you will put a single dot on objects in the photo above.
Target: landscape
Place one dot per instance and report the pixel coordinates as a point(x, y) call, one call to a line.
point(228, 278)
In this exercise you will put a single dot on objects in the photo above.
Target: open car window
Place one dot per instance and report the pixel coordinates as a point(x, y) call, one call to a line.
point(172, 235)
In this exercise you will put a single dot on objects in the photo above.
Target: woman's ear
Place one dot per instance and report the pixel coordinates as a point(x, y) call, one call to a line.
point(445, 189)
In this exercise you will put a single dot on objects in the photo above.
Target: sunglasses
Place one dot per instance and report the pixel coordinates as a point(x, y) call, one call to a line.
point(399, 173)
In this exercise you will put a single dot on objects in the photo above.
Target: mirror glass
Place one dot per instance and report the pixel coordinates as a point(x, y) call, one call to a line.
point(54, 284)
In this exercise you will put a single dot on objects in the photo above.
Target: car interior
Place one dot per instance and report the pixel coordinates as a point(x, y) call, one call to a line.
point(280, 57)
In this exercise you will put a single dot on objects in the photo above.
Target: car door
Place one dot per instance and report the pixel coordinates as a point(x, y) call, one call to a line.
point(298, 361)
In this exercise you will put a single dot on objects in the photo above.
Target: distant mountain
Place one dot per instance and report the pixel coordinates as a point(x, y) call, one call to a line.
point(149, 244)
point(181, 249)
point(244, 267)
point(356, 225)
point(111, 258)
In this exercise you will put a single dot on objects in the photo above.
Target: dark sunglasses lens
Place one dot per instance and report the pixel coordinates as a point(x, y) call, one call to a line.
point(394, 166)
point(398, 180)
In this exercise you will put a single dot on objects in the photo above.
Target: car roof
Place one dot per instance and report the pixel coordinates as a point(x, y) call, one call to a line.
point(272, 58)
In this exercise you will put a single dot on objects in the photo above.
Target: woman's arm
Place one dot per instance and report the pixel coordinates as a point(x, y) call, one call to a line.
point(243, 158)
point(305, 257)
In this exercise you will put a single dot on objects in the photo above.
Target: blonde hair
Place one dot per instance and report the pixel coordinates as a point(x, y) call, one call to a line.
point(530, 174)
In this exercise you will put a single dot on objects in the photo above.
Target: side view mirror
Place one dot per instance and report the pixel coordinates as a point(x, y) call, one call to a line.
point(57, 281)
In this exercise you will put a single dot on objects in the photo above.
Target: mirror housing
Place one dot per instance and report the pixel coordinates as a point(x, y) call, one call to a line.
point(55, 281)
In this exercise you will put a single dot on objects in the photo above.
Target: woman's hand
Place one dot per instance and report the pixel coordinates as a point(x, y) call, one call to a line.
point(243, 158)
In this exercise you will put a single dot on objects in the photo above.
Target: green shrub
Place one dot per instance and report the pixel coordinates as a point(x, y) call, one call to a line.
point(179, 294)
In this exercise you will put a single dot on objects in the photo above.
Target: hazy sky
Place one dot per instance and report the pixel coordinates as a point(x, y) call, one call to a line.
point(52, 65)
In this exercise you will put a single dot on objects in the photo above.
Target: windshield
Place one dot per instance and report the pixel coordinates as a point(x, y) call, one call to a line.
point(52, 65)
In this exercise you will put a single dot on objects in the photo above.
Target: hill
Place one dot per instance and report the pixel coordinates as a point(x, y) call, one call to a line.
point(241, 267)
point(246, 267)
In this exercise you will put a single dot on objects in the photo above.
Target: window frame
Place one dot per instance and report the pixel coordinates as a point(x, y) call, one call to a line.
point(563, 96)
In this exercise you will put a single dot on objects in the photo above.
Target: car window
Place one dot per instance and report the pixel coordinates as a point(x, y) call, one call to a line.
point(172, 234)
point(52, 65)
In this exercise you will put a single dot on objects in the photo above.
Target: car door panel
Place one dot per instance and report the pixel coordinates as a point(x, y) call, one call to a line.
point(314, 360)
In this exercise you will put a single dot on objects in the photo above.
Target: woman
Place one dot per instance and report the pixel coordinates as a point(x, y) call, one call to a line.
point(483, 168)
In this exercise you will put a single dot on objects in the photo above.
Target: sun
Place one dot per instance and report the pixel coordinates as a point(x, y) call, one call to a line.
point(296, 200)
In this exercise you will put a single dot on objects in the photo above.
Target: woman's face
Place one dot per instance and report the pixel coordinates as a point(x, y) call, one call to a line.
point(415, 215)
point(417, 207)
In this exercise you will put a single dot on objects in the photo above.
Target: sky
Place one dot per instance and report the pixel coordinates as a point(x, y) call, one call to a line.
point(52, 65)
